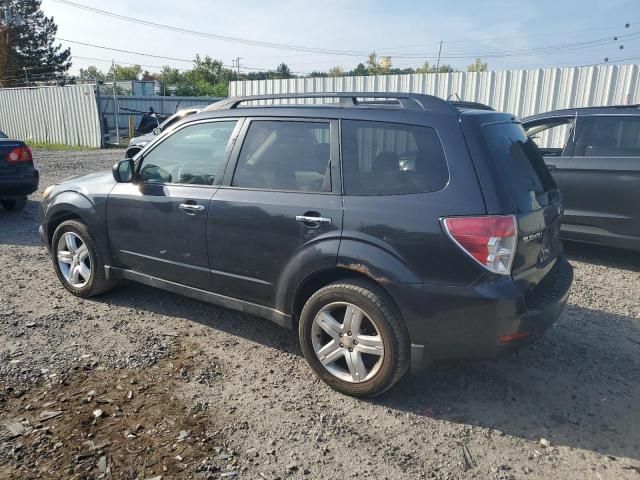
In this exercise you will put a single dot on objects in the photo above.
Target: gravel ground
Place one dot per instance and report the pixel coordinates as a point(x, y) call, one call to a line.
point(229, 395)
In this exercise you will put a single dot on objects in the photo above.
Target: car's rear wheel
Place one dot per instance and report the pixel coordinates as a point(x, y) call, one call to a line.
point(14, 204)
point(79, 260)
point(353, 338)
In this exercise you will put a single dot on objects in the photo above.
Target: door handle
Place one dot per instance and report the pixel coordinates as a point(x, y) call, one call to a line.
point(312, 219)
point(191, 208)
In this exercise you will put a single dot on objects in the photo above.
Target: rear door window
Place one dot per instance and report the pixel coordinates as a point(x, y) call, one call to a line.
point(381, 158)
point(611, 136)
point(285, 155)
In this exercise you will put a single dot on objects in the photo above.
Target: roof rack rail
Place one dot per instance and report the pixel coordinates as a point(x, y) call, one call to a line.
point(632, 105)
point(464, 104)
point(408, 101)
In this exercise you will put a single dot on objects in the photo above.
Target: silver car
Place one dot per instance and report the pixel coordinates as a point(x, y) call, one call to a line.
point(138, 143)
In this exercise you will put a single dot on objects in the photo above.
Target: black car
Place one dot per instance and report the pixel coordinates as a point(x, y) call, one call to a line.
point(18, 175)
point(594, 156)
point(389, 231)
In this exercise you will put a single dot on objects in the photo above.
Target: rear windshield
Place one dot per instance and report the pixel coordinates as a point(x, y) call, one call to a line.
point(519, 158)
point(2, 135)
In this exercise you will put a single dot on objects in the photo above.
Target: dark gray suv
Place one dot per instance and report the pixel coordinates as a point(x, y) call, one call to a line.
point(594, 157)
point(389, 231)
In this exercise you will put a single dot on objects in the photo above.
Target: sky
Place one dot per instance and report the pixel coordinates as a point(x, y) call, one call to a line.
point(505, 33)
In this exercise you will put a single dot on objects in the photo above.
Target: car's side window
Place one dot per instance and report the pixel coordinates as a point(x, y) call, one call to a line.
point(611, 136)
point(389, 159)
point(285, 155)
point(552, 135)
point(192, 155)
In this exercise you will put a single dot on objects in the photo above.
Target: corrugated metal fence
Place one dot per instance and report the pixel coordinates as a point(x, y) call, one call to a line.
point(67, 115)
point(522, 92)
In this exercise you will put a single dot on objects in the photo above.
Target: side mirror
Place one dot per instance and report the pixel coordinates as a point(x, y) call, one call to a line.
point(123, 171)
point(157, 131)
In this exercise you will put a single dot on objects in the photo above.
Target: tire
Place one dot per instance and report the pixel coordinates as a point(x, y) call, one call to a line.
point(380, 320)
point(14, 204)
point(95, 256)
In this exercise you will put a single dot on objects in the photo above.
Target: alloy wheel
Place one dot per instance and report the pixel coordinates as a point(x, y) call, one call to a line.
point(74, 260)
point(347, 342)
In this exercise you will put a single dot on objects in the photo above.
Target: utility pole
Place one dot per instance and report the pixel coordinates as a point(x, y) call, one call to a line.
point(238, 67)
point(437, 83)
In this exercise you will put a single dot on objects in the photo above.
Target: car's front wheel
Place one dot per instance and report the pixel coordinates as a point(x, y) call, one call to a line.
point(13, 204)
point(78, 260)
point(353, 338)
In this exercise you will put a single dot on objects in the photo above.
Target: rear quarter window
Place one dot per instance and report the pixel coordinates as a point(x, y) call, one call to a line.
point(380, 158)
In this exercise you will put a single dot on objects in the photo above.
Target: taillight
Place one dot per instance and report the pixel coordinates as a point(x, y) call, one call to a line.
point(20, 155)
point(491, 240)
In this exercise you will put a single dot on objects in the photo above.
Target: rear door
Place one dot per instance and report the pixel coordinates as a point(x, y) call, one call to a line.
point(602, 180)
point(278, 214)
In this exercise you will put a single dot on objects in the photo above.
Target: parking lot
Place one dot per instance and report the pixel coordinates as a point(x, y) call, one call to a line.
point(139, 383)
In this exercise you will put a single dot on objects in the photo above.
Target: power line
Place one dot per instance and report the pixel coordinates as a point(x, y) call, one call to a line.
point(151, 55)
point(291, 47)
point(225, 38)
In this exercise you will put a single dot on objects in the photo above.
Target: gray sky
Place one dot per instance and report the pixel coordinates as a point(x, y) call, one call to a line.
point(505, 33)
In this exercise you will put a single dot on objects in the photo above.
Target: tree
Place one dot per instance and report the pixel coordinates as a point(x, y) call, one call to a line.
point(425, 68)
point(444, 69)
point(316, 74)
point(283, 71)
point(126, 72)
point(336, 72)
point(31, 48)
point(359, 70)
point(373, 68)
point(478, 66)
point(92, 73)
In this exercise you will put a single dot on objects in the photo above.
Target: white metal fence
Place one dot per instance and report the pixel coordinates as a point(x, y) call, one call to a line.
point(67, 115)
point(522, 92)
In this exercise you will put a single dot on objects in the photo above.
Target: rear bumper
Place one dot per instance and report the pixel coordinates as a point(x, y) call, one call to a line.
point(483, 320)
point(19, 184)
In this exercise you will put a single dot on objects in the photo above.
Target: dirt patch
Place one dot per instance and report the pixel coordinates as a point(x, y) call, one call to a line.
point(127, 424)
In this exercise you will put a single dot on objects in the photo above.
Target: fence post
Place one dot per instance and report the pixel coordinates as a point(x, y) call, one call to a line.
point(131, 127)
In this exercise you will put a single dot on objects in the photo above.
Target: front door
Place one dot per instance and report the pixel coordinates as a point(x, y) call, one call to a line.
point(278, 214)
point(601, 183)
point(158, 224)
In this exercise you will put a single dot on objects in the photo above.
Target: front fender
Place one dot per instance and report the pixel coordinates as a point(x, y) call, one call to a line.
point(70, 204)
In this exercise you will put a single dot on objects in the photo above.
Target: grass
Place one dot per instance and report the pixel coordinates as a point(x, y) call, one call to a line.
point(55, 146)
